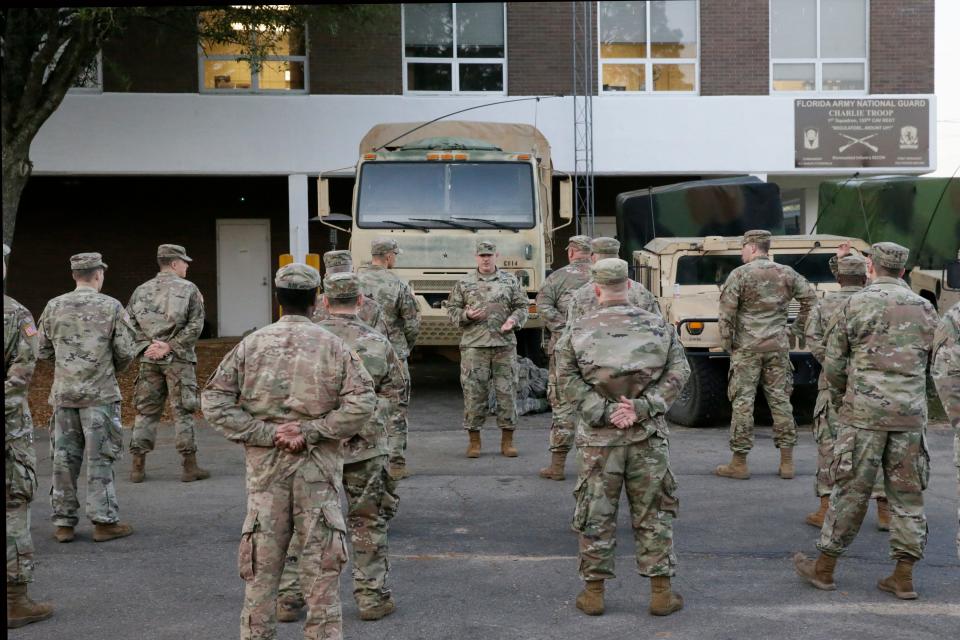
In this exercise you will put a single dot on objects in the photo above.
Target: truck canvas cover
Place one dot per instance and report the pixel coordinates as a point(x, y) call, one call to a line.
point(718, 207)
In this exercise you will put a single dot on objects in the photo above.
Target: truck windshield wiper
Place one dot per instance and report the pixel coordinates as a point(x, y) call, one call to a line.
point(498, 225)
point(407, 225)
point(447, 222)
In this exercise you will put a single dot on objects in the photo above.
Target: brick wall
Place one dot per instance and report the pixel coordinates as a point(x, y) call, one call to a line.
point(359, 59)
point(539, 48)
point(153, 57)
point(901, 46)
point(734, 47)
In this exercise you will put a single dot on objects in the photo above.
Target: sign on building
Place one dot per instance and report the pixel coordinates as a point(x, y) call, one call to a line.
point(869, 132)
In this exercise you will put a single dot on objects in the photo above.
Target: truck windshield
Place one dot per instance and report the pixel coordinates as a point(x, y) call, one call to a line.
point(715, 269)
point(461, 193)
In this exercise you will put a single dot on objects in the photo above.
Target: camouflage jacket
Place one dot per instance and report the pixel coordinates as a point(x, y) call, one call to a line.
point(500, 294)
point(400, 310)
point(754, 302)
point(381, 362)
point(370, 313)
point(554, 296)
point(291, 370)
point(584, 300)
point(90, 337)
point(946, 366)
point(620, 350)
point(19, 361)
point(878, 352)
point(817, 325)
point(170, 309)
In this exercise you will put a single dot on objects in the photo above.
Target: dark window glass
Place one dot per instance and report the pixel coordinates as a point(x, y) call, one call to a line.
point(428, 77)
point(715, 269)
point(481, 77)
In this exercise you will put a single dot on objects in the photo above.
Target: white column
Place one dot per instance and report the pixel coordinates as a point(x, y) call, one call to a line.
point(298, 217)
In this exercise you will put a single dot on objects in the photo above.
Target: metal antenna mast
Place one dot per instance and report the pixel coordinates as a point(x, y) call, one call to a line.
point(583, 87)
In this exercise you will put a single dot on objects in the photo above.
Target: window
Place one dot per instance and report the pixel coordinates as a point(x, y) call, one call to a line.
point(90, 79)
point(457, 47)
point(284, 71)
point(649, 46)
point(818, 45)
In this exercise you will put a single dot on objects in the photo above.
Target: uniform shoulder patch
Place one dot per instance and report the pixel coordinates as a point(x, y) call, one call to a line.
point(29, 329)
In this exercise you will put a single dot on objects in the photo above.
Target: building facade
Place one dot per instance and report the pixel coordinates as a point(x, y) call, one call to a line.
point(185, 144)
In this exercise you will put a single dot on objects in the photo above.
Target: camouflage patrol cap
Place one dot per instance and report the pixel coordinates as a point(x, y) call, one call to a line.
point(91, 260)
point(609, 271)
point(338, 286)
point(889, 255)
point(6, 250)
point(580, 242)
point(381, 246)
point(604, 246)
point(173, 251)
point(486, 247)
point(851, 266)
point(297, 276)
point(338, 261)
point(756, 235)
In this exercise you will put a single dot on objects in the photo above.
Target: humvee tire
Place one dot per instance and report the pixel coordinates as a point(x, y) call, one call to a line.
point(703, 402)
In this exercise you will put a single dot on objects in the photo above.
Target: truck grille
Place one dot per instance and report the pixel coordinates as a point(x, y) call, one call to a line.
point(432, 285)
point(438, 331)
point(793, 309)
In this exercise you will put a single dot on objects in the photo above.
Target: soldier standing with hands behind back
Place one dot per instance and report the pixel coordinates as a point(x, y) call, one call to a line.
point(488, 304)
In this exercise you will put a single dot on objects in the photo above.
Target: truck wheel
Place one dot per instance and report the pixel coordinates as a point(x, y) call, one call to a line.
point(703, 402)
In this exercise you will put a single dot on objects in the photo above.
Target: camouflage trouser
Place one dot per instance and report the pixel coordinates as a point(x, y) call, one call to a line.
point(824, 434)
point(651, 493)
point(312, 509)
point(478, 366)
point(563, 427)
point(94, 432)
point(859, 454)
point(21, 481)
point(371, 503)
point(397, 424)
point(155, 382)
point(773, 370)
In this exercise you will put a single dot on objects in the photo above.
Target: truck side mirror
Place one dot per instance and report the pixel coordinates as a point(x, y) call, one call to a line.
point(951, 277)
point(566, 198)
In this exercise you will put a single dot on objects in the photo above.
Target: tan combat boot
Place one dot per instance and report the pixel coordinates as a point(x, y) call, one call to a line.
point(105, 532)
point(64, 534)
point(883, 514)
point(900, 583)
point(663, 601)
point(191, 471)
point(786, 463)
point(139, 469)
point(289, 610)
point(473, 451)
point(817, 572)
point(398, 470)
point(506, 443)
point(816, 518)
point(381, 610)
point(555, 470)
point(590, 600)
point(21, 610)
point(736, 469)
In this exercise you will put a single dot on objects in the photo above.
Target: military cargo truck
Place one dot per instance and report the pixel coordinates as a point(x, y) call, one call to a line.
point(437, 189)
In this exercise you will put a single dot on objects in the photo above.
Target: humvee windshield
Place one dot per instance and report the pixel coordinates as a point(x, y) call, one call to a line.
point(462, 193)
point(712, 269)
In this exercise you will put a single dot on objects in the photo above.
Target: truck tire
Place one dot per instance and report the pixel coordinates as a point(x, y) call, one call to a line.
point(703, 402)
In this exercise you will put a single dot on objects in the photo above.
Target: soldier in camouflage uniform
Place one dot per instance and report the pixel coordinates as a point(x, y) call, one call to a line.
point(878, 350)
point(552, 302)
point(621, 368)
point(402, 316)
point(851, 272)
point(371, 494)
point(291, 393)
point(488, 304)
point(946, 375)
point(584, 299)
point(370, 312)
point(532, 383)
point(167, 314)
point(20, 459)
point(90, 337)
point(753, 330)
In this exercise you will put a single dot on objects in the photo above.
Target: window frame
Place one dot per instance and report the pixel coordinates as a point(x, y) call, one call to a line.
point(454, 60)
point(647, 62)
point(98, 88)
point(818, 62)
point(255, 75)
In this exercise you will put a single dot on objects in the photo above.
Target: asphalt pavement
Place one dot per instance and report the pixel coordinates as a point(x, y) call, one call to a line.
point(482, 549)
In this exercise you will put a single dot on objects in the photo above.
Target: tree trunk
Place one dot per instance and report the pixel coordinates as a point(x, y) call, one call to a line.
point(16, 171)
